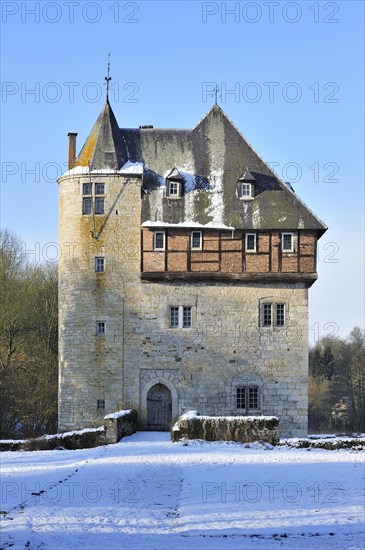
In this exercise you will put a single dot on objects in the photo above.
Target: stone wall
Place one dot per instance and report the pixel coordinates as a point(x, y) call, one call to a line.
point(116, 425)
point(120, 424)
point(240, 429)
point(81, 439)
point(91, 366)
point(225, 348)
point(203, 365)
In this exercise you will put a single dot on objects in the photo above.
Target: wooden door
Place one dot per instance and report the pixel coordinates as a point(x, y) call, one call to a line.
point(159, 408)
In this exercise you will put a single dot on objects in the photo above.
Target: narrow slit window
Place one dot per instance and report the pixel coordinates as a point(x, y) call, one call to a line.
point(250, 242)
point(196, 240)
point(99, 264)
point(100, 328)
point(159, 240)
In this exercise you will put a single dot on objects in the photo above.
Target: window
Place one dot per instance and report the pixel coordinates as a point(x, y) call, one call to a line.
point(93, 204)
point(250, 242)
point(280, 315)
point(174, 317)
point(99, 188)
point(287, 242)
point(174, 189)
point(100, 328)
point(100, 404)
point(159, 240)
point(253, 401)
point(87, 205)
point(180, 317)
point(266, 315)
point(247, 398)
point(99, 205)
point(99, 265)
point(186, 317)
point(246, 191)
point(86, 188)
point(196, 240)
point(273, 315)
point(241, 398)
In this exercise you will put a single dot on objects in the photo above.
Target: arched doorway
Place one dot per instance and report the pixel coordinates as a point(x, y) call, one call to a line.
point(159, 408)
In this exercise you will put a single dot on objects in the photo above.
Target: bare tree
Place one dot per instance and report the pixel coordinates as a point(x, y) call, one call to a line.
point(28, 342)
point(337, 382)
point(355, 377)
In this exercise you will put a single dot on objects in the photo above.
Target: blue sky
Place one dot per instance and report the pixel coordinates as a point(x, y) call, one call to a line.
point(296, 77)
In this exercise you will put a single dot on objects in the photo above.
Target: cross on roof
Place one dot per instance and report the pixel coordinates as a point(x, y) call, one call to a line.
point(108, 78)
point(216, 90)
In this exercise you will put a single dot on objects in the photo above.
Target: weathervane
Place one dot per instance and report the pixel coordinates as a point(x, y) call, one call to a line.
point(108, 78)
point(216, 90)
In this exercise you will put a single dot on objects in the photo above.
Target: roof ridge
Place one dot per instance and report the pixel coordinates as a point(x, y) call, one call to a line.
point(280, 181)
point(206, 114)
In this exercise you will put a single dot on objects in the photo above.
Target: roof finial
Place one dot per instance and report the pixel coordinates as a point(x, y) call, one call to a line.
point(216, 90)
point(108, 78)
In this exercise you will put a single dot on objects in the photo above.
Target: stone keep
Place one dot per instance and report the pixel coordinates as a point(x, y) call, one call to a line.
point(183, 278)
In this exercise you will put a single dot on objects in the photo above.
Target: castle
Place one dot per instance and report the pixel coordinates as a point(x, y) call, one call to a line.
point(183, 279)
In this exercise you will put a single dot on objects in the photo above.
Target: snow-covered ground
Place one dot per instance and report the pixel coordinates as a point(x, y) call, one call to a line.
point(148, 493)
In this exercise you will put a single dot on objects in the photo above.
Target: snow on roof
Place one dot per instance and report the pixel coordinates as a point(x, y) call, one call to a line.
point(189, 224)
point(131, 168)
point(127, 168)
point(78, 171)
point(189, 180)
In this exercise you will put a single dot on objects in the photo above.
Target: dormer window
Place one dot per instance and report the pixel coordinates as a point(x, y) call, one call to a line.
point(173, 189)
point(246, 188)
point(174, 183)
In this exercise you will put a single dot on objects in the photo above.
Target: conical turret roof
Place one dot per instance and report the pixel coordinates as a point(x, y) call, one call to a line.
point(104, 147)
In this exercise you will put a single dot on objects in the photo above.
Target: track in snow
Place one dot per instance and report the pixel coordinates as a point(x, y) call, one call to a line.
point(146, 492)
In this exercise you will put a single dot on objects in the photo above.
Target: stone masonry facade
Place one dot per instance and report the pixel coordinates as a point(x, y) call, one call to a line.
point(202, 366)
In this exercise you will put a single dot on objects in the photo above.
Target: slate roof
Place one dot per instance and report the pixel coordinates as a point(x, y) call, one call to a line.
point(247, 176)
point(211, 158)
point(104, 147)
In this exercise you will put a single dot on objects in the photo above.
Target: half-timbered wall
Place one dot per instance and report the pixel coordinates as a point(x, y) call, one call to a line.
point(225, 251)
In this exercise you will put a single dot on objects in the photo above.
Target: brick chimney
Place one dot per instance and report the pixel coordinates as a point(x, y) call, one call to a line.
point(71, 149)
